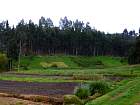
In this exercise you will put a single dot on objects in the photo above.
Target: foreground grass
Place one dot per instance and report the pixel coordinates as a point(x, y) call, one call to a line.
point(127, 94)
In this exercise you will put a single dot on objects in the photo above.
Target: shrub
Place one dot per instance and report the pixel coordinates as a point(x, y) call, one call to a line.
point(72, 100)
point(99, 87)
point(82, 92)
point(3, 62)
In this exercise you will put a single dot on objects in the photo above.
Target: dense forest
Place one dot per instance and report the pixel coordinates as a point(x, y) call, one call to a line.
point(70, 38)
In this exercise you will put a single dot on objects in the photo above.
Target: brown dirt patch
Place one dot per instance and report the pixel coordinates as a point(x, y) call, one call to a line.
point(21, 98)
point(15, 101)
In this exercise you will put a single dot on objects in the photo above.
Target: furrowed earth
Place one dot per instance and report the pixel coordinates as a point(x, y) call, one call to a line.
point(15, 87)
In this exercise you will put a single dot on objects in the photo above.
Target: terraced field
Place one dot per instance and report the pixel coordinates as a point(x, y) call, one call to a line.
point(34, 79)
point(127, 94)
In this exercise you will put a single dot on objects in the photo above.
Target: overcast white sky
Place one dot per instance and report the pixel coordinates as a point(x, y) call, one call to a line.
point(105, 15)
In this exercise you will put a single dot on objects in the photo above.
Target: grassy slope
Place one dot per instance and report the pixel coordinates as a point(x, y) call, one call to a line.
point(72, 61)
point(84, 73)
point(34, 66)
point(127, 94)
point(37, 79)
point(34, 62)
point(116, 71)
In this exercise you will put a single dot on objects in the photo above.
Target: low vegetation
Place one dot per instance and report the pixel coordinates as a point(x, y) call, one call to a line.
point(87, 69)
point(38, 79)
point(82, 92)
point(59, 65)
point(72, 99)
point(121, 71)
point(126, 94)
point(99, 82)
point(100, 87)
point(3, 62)
point(59, 61)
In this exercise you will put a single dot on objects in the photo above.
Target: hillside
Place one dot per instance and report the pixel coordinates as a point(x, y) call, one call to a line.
point(35, 62)
point(126, 94)
point(57, 72)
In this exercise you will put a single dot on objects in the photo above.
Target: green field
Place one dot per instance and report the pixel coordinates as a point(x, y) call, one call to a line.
point(127, 94)
point(76, 65)
point(33, 62)
point(125, 91)
point(126, 71)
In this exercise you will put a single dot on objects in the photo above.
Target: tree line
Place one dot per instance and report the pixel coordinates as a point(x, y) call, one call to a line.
point(70, 38)
point(134, 55)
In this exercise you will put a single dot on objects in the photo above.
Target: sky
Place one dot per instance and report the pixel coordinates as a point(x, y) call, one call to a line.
point(106, 15)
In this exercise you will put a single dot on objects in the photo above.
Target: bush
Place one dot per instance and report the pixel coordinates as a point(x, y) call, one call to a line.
point(72, 100)
point(82, 92)
point(3, 62)
point(99, 87)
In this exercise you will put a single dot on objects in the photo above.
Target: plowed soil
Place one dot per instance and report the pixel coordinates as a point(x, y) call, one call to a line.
point(15, 87)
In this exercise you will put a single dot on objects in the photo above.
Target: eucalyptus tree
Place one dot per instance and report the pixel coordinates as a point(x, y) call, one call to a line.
point(134, 56)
